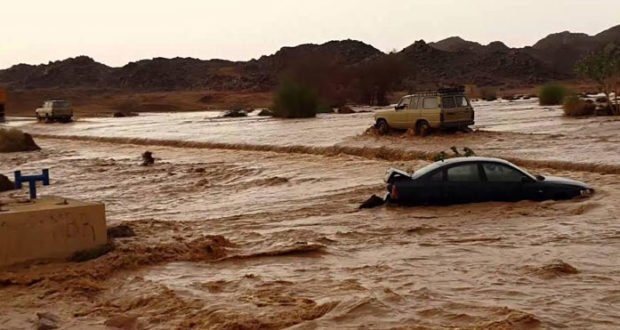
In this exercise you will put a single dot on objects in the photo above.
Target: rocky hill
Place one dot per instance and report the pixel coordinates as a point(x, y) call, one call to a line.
point(452, 60)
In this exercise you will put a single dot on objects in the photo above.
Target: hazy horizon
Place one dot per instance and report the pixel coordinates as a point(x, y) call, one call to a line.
point(116, 33)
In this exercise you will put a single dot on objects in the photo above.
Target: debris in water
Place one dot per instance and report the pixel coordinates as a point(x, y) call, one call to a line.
point(147, 158)
point(90, 254)
point(553, 269)
point(47, 321)
point(372, 202)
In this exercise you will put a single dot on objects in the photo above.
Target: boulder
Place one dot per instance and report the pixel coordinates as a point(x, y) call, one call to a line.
point(14, 140)
point(235, 113)
point(121, 114)
point(265, 113)
point(120, 231)
point(345, 110)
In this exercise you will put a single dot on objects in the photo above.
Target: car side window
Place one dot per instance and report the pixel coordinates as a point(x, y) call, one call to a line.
point(501, 173)
point(430, 103)
point(447, 102)
point(404, 103)
point(414, 103)
point(464, 173)
point(461, 101)
point(436, 176)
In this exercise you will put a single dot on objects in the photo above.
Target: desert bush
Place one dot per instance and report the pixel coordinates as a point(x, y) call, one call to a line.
point(552, 94)
point(575, 107)
point(128, 105)
point(374, 79)
point(603, 67)
point(14, 140)
point(293, 100)
point(488, 93)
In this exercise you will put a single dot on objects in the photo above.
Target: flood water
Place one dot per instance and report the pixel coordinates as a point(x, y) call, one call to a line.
point(300, 253)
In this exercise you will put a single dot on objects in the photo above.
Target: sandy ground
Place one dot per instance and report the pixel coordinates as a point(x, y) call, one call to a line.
point(250, 231)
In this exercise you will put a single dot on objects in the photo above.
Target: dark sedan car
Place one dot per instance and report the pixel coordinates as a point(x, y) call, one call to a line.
point(477, 179)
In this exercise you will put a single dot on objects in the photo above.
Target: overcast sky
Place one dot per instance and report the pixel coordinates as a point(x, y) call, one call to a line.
point(119, 31)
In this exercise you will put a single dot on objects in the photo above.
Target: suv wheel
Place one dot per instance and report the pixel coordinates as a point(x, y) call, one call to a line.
point(383, 126)
point(422, 128)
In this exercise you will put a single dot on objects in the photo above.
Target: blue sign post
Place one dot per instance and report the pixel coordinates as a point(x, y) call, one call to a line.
point(32, 180)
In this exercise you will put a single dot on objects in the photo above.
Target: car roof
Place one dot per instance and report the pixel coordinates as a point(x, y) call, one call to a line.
point(457, 160)
point(463, 160)
point(431, 94)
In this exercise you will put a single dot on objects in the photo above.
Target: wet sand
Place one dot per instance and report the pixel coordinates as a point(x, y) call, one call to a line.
point(231, 235)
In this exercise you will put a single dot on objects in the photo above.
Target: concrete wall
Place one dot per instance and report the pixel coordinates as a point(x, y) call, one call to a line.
point(49, 228)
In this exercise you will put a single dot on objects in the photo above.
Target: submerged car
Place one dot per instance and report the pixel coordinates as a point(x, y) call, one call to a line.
point(446, 108)
point(477, 179)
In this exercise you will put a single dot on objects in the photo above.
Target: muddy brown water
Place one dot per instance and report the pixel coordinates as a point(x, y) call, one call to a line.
point(295, 251)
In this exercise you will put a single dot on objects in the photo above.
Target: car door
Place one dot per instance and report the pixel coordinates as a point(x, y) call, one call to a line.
point(431, 188)
point(402, 113)
point(463, 183)
point(462, 111)
point(505, 183)
point(430, 110)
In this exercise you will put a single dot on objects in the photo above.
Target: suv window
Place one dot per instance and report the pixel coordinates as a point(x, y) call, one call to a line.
point(501, 173)
point(404, 102)
point(430, 103)
point(447, 102)
point(414, 102)
point(464, 173)
point(461, 101)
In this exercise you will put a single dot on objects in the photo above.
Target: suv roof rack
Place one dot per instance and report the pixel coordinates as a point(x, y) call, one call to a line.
point(442, 91)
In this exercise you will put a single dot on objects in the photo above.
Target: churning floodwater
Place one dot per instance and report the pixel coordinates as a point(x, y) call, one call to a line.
point(253, 223)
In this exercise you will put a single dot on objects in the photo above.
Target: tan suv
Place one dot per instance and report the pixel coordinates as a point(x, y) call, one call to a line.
point(423, 111)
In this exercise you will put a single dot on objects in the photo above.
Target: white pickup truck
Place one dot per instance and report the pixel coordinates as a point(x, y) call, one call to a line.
point(55, 110)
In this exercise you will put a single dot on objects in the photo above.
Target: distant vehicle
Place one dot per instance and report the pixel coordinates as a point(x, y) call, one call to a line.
point(424, 111)
point(477, 179)
point(55, 110)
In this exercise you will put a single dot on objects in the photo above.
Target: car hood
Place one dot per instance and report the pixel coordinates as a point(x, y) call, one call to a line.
point(565, 181)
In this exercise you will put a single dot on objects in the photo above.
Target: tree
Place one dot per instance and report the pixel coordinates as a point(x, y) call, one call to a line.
point(604, 68)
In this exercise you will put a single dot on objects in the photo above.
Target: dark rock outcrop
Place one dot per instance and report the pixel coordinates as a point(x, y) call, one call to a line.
point(449, 61)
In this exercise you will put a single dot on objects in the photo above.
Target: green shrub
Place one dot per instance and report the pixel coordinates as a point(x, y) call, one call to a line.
point(14, 140)
point(293, 100)
point(575, 107)
point(552, 94)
